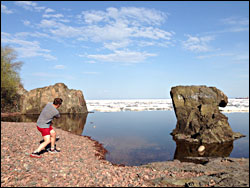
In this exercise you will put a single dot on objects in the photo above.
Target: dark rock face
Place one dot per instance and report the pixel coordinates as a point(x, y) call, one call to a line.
point(33, 102)
point(198, 115)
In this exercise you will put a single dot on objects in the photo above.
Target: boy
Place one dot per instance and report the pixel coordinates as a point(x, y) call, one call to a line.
point(44, 125)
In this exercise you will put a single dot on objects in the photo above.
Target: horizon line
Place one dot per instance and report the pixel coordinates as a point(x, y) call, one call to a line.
point(154, 98)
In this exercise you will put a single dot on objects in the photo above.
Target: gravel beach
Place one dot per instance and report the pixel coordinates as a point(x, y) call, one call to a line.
point(81, 163)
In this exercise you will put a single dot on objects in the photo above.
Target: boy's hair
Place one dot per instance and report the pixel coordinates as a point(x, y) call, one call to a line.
point(57, 101)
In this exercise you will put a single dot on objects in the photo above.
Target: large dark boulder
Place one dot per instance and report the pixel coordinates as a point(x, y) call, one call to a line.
point(33, 102)
point(198, 115)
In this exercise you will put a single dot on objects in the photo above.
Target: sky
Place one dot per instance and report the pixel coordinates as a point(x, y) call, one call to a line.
point(130, 49)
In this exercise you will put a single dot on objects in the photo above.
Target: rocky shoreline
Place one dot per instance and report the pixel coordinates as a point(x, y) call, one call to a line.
point(81, 162)
point(218, 172)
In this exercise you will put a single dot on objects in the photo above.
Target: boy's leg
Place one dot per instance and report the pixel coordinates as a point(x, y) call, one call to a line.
point(53, 138)
point(44, 144)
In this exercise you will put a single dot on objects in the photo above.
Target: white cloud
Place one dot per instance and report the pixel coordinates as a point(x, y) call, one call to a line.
point(64, 20)
point(235, 24)
point(237, 29)
point(115, 29)
point(5, 10)
point(3, 34)
point(131, 15)
point(43, 74)
point(33, 50)
point(117, 44)
point(59, 67)
point(91, 62)
point(38, 9)
point(25, 3)
point(93, 17)
point(52, 75)
point(66, 31)
point(49, 24)
point(88, 61)
point(53, 16)
point(48, 10)
point(234, 56)
point(197, 44)
point(242, 57)
point(214, 55)
point(112, 28)
point(26, 22)
point(114, 32)
point(29, 5)
point(124, 23)
point(25, 48)
point(60, 30)
point(66, 9)
point(149, 16)
point(238, 24)
point(152, 33)
point(31, 34)
point(235, 21)
point(90, 72)
point(122, 57)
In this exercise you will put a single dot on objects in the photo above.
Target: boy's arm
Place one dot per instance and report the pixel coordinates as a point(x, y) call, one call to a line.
point(57, 115)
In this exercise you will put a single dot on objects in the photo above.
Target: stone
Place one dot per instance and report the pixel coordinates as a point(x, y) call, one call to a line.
point(201, 148)
point(33, 101)
point(198, 115)
point(21, 90)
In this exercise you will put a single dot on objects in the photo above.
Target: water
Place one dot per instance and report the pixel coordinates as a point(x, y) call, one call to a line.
point(135, 138)
point(240, 123)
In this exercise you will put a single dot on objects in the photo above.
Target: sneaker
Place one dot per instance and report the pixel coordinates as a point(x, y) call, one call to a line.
point(54, 150)
point(35, 155)
point(48, 147)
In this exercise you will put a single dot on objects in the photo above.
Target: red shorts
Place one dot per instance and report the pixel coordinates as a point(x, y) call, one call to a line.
point(45, 131)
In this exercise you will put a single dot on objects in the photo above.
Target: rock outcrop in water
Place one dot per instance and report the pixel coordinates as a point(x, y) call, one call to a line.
point(198, 115)
point(33, 102)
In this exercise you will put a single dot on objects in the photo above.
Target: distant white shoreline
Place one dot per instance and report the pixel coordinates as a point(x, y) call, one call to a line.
point(117, 105)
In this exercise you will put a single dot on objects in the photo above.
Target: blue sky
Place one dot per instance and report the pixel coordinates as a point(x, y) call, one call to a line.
point(130, 50)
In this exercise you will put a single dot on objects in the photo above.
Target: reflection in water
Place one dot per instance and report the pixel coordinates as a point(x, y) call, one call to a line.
point(73, 123)
point(134, 150)
point(21, 118)
point(184, 150)
point(133, 138)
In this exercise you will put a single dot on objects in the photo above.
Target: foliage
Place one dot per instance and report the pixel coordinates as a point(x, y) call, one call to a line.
point(10, 79)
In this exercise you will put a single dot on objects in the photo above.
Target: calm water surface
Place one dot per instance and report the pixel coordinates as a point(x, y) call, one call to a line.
point(135, 138)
